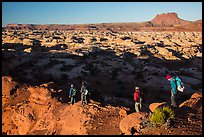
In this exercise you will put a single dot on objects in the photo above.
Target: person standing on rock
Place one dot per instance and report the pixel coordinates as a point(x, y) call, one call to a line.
point(138, 95)
point(173, 89)
point(84, 93)
point(72, 94)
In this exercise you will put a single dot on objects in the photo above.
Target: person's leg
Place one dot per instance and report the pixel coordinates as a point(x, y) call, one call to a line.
point(74, 99)
point(85, 99)
point(71, 100)
point(173, 102)
point(140, 104)
point(82, 98)
point(60, 99)
point(136, 106)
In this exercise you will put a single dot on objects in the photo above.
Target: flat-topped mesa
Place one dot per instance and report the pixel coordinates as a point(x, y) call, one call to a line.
point(173, 14)
point(168, 19)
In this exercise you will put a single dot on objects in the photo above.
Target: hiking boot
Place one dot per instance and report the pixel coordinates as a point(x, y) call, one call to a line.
point(174, 105)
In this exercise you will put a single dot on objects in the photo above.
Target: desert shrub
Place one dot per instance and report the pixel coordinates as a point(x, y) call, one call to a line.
point(161, 115)
point(169, 113)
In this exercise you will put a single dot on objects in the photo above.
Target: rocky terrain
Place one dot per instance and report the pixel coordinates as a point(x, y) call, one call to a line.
point(39, 63)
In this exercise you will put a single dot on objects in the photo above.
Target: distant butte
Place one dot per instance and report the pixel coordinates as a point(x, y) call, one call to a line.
point(162, 22)
point(168, 19)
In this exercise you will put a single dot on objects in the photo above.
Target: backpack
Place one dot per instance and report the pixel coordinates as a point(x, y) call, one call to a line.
point(72, 92)
point(179, 84)
point(86, 92)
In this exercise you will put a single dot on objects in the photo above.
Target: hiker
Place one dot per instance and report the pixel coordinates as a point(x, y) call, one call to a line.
point(173, 89)
point(176, 84)
point(138, 95)
point(84, 93)
point(72, 94)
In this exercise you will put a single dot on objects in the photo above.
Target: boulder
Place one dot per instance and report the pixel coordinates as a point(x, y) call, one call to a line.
point(195, 102)
point(153, 106)
point(196, 95)
point(7, 85)
point(131, 121)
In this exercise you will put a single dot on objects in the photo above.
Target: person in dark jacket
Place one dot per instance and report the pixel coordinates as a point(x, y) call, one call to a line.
point(173, 89)
point(72, 94)
point(138, 95)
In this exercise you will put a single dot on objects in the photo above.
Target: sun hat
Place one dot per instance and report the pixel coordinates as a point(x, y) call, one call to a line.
point(168, 77)
point(136, 87)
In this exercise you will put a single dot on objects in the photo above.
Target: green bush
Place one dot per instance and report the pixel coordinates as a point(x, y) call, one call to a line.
point(161, 115)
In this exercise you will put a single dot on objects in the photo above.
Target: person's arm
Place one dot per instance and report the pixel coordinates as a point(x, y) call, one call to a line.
point(70, 92)
point(142, 94)
point(81, 89)
point(74, 92)
point(134, 96)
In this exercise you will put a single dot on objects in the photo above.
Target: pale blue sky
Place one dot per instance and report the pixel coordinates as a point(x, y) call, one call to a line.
point(94, 12)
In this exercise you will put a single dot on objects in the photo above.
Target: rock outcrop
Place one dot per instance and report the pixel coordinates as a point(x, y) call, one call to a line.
point(7, 85)
point(132, 122)
point(195, 102)
point(153, 106)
